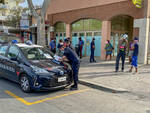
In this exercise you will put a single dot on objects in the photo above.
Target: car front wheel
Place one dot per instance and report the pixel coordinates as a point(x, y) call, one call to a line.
point(25, 84)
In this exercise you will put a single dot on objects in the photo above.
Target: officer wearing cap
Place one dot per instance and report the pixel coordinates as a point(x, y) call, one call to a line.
point(92, 50)
point(73, 60)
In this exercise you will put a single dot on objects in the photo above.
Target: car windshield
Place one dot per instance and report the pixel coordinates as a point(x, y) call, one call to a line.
point(8, 38)
point(36, 53)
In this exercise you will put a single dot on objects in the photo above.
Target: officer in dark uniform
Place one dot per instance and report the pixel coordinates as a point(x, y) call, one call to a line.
point(73, 58)
point(92, 50)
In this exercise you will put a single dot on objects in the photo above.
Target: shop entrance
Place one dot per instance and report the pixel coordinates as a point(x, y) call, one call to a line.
point(87, 38)
point(87, 29)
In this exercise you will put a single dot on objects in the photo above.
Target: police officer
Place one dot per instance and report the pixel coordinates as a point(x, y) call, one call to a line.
point(71, 55)
point(92, 50)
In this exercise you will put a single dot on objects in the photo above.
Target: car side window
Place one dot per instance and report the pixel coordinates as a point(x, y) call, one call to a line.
point(3, 50)
point(13, 52)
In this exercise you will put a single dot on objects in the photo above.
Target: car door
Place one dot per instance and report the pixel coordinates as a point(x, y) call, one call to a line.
point(3, 59)
point(12, 63)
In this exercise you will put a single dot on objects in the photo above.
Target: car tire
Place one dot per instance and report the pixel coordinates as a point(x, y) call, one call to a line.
point(25, 84)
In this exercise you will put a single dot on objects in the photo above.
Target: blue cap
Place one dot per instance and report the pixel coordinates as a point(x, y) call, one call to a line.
point(14, 41)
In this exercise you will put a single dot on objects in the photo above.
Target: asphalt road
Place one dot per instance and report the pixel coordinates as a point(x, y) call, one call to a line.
point(84, 100)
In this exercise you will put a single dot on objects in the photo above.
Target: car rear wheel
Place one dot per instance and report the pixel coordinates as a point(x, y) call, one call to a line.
point(25, 84)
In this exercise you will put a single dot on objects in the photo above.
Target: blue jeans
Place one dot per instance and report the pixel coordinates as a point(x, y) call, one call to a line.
point(121, 55)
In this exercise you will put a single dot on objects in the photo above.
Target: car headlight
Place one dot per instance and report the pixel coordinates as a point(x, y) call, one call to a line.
point(38, 70)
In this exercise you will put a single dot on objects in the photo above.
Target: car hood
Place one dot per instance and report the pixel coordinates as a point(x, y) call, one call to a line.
point(46, 64)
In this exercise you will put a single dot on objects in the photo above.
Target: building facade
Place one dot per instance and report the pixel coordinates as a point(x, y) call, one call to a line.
point(102, 19)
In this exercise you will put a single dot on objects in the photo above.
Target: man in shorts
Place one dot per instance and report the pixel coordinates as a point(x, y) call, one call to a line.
point(135, 56)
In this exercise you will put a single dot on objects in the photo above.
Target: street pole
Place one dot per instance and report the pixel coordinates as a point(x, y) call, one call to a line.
point(40, 20)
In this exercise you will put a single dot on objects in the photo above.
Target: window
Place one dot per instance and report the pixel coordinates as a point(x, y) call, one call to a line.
point(77, 26)
point(97, 33)
point(81, 34)
point(60, 27)
point(36, 53)
point(89, 34)
point(87, 25)
point(95, 25)
point(13, 52)
point(3, 50)
point(75, 34)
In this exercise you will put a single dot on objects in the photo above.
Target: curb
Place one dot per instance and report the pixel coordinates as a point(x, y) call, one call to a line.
point(102, 87)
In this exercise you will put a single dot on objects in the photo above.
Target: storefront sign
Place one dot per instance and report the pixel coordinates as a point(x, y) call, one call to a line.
point(137, 3)
point(24, 22)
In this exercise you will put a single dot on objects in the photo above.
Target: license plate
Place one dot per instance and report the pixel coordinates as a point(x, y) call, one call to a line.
point(61, 79)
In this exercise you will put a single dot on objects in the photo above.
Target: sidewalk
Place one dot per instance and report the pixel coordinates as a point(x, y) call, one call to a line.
point(102, 75)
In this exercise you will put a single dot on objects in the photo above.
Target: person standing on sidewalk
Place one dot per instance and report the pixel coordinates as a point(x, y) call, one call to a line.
point(81, 43)
point(109, 48)
point(135, 55)
point(73, 60)
point(52, 45)
point(92, 59)
point(122, 46)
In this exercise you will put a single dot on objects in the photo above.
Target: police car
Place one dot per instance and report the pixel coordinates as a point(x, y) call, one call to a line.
point(33, 67)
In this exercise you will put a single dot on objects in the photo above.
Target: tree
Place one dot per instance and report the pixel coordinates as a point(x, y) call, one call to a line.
point(40, 20)
point(13, 13)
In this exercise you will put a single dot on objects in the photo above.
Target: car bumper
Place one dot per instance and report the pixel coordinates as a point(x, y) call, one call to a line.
point(51, 84)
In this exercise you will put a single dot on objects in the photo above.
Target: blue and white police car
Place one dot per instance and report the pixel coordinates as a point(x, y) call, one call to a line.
point(33, 67)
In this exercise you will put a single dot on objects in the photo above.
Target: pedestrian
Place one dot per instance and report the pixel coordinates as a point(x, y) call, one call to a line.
point(122, 47)
point(130, 51)
point(71, 55)
point(60, 43)
point(81, 44)
point(109, 48)
point(92, 51)
point(70, 44)
point(52, 45)
point(135, 56)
